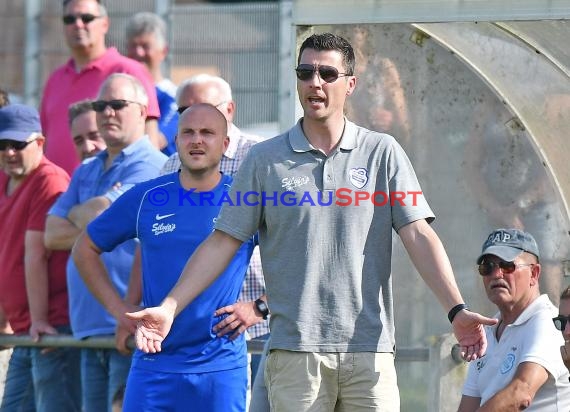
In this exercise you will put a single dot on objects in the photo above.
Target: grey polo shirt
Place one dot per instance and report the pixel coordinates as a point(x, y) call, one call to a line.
point(325, 232)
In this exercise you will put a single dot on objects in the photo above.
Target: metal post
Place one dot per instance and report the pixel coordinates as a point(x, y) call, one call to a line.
point(447, 375)
point(287, 44)
point(32, 52)
point(163, 8)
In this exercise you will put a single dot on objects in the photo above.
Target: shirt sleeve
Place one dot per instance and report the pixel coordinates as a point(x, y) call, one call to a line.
point(134, 173)
point(238, 219)
point(407, 199)
point(66, 200)
point(117, 223)
point(470, 387)
point(47, 189)
point(542, 345)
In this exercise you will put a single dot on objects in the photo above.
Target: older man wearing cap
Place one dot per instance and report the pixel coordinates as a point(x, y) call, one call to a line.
point(33, 291)
point(522, 368)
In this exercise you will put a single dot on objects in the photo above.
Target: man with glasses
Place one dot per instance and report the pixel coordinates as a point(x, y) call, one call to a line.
point(522, 368)
point(33, 291)
point(562, 323)
point(327, 268)
point(147, 43)
point(85, 27)
point(129, 158)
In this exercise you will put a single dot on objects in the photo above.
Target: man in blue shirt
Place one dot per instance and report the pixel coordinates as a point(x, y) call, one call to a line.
point(128, 159)
point(171, 216)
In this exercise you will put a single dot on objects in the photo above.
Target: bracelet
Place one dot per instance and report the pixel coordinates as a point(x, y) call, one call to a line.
point(455, 310)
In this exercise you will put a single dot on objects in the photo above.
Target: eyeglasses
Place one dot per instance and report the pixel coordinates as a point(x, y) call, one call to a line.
point(328, 73)
point(14, 144)
point(116, 104)
point(560, 321)
point(86, 18)
point(486, 268)
point(181, 109)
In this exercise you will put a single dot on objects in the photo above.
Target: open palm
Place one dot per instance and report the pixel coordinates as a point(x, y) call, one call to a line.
point(153, 324)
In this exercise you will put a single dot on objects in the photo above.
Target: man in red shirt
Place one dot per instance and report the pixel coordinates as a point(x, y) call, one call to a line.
point(85, 26)
point(33, 290)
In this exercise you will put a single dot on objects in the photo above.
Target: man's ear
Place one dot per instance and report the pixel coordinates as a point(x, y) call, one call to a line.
point(231, 109)
point(351, 85)
point(144, 110)
point(41, 140)
point(535, 274)
point(105, 23)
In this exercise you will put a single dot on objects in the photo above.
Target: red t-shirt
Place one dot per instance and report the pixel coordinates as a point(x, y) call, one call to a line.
point(24, 210)
point(65, 86)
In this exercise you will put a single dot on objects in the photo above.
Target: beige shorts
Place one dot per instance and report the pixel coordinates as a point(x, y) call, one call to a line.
point(331, 382)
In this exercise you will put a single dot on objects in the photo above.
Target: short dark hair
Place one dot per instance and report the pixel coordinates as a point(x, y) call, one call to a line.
point(102, 9)
point(565, 293)
point(78, 108)
point(329, 41)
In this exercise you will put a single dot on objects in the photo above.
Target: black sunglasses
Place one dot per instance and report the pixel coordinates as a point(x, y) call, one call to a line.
point(328, 73)
point(116, 104)
point(486, 268)
point(560, 321)
point(86, 18)
point(14, 144)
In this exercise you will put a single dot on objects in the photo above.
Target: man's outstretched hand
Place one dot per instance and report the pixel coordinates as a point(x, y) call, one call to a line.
point(469, 331)
point(153, 324)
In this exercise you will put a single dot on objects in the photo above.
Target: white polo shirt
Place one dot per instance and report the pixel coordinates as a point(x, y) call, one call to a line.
point(531, 338)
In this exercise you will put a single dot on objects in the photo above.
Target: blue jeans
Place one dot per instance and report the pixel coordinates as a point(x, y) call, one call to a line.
point(43, 382)
point(256, 358)
point(103, 373)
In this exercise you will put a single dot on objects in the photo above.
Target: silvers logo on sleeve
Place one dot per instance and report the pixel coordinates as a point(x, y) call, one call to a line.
point(358, 176)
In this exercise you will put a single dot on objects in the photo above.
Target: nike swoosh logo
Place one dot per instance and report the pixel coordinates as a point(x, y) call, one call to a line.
point(160, 217)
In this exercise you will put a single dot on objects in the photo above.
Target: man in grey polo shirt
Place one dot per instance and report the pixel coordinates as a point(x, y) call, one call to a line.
point(325, 197)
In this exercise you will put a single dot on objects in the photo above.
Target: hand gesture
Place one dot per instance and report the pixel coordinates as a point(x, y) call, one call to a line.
point(41, 327)
point(241, 315)
point(152, 327)
point(126, 327)
point(469, 331)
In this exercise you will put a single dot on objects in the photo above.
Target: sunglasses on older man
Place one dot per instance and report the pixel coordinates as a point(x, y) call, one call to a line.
point(14, 144)
point(328, 73)
point(86, 18)
point(486, 268)
point(560, 321)
point(116, 104)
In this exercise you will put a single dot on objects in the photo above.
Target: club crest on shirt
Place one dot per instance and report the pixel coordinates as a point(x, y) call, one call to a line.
point(358, 176)
point(508, 363)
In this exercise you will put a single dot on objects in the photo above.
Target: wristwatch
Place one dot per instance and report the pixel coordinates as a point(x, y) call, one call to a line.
point(262, 307)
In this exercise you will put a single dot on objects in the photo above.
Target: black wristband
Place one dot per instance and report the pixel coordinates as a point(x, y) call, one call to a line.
point(455, 310)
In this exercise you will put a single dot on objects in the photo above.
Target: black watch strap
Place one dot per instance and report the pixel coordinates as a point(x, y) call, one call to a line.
point(262, 308)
